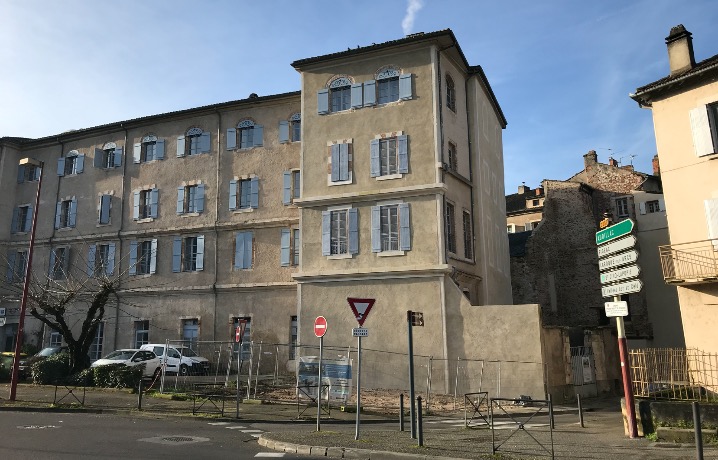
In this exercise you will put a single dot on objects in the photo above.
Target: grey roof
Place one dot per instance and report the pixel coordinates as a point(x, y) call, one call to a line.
point(707, 68)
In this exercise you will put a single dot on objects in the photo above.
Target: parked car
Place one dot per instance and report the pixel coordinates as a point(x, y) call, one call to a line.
point(180, 359)
point(133, 357)
point(6, 359)
point(25, 364)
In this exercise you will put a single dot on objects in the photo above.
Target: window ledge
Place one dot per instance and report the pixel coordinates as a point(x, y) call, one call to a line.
point(237, 269)
point(103, 225)
point(389, 177)
point(241, 211)
point(65, 229)
point(189, 214)
point(20, 233)
point(390, 253)
point(343, 182)
point(141, 275)
point(339, 256)
point(145, 220)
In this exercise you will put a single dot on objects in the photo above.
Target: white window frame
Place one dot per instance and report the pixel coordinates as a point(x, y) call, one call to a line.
point(450, 220)
point(332, 244)
point(142, 332)
point(622, 205)
point(144, 258)
point(350, 161)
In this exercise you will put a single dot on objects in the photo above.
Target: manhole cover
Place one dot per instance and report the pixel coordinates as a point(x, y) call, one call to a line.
point(175, 440)
point(35, 427)
point(178, 439)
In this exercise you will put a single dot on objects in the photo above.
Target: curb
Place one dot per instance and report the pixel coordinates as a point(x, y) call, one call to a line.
point(62, 410)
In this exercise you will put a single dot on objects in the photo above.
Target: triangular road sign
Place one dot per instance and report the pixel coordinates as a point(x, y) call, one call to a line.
point(360, 308)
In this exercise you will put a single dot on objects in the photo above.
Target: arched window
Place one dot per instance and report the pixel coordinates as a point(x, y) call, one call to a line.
point(192, 141)
point(296, 127)
point(450, 94)
point(245, 134)
point(387, 81)
point(340, 94)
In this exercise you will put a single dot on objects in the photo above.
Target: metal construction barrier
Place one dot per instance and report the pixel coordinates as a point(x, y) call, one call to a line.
point(476, 402)
point(67, 389)
point(211, 395)
point(305, 391)
point(525, 421)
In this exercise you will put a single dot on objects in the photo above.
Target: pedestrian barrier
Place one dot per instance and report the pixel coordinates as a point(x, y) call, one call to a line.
point(210, 394)
point(67, 388)
point(517, 422)
point(476, 401)
point(305, 391)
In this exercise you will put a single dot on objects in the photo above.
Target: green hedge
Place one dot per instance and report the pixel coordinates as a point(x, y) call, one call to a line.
point(50, 370)
point(117, 375)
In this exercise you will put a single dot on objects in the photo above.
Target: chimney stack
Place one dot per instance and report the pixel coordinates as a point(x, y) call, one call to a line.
point(539, 191)
point(612, 162)
point(656, 166)
point(680, 50)
point(590, 158)
point(523, 188)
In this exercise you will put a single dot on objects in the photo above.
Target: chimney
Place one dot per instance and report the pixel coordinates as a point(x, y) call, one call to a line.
point(612, 162)
point(539, 191)
point(523, 188)
point(680, 50)
point(590, 158)
point(656, 166)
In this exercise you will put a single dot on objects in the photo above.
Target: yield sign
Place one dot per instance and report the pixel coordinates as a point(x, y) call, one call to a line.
point(361, 308)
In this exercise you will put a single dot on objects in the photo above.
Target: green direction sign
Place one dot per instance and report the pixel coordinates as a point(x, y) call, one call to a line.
point(614, 231)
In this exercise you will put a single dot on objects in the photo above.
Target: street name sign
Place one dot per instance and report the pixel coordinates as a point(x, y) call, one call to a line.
point(614, 309)
point(360, 308)
point(360, 332)
point(320, 326)
point(628, 287)
point(624, 258)
point(624, 273)
point(617, 246)
point(614, 231)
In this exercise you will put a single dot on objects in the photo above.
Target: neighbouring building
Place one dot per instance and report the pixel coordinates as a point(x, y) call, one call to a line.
point(381, 178)
point(684, 105)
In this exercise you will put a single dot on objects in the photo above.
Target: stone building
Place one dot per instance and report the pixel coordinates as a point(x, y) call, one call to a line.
point(378, 179)
point(684, 105)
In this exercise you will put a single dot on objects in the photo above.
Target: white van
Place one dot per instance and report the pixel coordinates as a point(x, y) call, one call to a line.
point(180, 360)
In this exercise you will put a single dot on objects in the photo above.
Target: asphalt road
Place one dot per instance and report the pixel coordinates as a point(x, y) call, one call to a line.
point(37, 436)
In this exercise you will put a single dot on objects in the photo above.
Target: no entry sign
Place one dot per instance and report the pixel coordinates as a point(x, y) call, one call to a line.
point(320, 326)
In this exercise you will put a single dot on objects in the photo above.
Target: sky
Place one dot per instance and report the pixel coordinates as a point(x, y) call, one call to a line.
point(561, 70)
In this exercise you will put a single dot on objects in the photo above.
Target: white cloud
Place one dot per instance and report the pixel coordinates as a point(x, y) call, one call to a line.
point(412, 7)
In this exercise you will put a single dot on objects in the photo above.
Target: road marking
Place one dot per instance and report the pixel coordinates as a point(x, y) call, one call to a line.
point(255, 435)
point(252, 431)
point(236, 427)
point(270, 454)
point(218, 423)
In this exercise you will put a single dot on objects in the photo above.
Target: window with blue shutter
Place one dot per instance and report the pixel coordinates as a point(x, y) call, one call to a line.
point(369, 93)
point(335, 162)
point(285, 246)
point(79, 164)
point(110, 265)
point(375, 166)
point(10, 273)
point(405, 87)
point(91, 260)
point(343, 162)
point(199, 253)
point(255, 193)
point(160, 149)
point(326, 233)
point(356, 95)
point(231, 139)
point(340, 232)
point(73, 213)
point(199, 199)
point(14, 226)
point(402, 148)
point(243, 250)
point(375, 229)
point(323, 101)
point(390, 228)
point(283, 132)
point(117, 157)
point(133, 258)
point(258, 135)
point(180, 200)
point(136, 206)
point(105, 205)
point(20, 174)
point(287, 187)
point(58, 214)
point(233, 195)
point(205, 142)
point(404, 228)
point(181, 146)
point(99, 160)
point(177, 254)
point(154, 200)
point(61, 166)
point(137, 153)
point(153, 256)
point(353, 217)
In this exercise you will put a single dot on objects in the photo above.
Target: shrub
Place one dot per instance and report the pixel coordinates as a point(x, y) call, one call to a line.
point(85, 377)
point(118, 375)
point(4, 374)
point(50, 370)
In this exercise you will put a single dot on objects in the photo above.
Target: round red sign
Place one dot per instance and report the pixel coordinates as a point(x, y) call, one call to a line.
point(320, 326)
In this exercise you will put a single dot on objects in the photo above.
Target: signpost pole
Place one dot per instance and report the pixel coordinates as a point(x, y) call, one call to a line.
point(412, 413)
point(239, 354)
point(356, 435)
point(626, 374)
point(319, 387)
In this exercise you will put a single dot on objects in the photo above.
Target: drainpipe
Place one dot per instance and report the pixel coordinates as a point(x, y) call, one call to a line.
point(471, 169)
point(216, 223)
point(119, 236)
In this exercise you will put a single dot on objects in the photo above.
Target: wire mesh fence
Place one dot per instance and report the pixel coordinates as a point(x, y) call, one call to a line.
point(674, 373)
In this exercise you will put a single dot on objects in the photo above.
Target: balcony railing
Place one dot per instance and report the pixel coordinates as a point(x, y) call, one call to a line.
point(690, 263)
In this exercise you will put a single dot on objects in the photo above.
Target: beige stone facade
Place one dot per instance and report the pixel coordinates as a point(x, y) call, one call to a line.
point(207, 224)
point(685, 115)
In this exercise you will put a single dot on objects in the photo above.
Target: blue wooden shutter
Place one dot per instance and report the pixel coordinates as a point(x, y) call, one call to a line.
point(98, 161)
point(153, 256)
point(335, 162)
point(117, 157)
point(58, 213)
point(247, 256)
point(287, 188)
point(159, 149)
point(91, 260)
point(283, 131)
point(136, 207)
point(199, 198)
point(405, 90)
point(254, 190)
point(205, 142)
point(73, 213)
point(154, 199)
point(180, 200)
point(353, 231)
point(343, 162)
point(79, 163)
point(180, 146)
point(323, 101)
point(356, 93)
point(110, 267)
point(404, 228)
point(258, 135)
point(177, 254)
point(238, 250)
point(200, 253)
point(137, 153)
point(28, 219)
point(10, 273)
point(369, 93)
point(14, 226)
point(51, 271)
point(133, 257)
point(401, 146)
point(326, 233)
point(285, 244)
point(66, 262)
point(61, 166)
point(105, 203)
point(20, 174)
point(232, 195)
point(231, 139)
point(375, 229)
point(374, 158)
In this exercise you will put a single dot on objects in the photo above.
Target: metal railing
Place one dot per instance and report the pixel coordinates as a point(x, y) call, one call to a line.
point(695, 262)
point(674, 373)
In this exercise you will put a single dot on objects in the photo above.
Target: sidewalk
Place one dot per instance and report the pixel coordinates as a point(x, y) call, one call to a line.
point(379, 436)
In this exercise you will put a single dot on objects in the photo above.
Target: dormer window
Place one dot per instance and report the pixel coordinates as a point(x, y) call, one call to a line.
point(340, 94)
